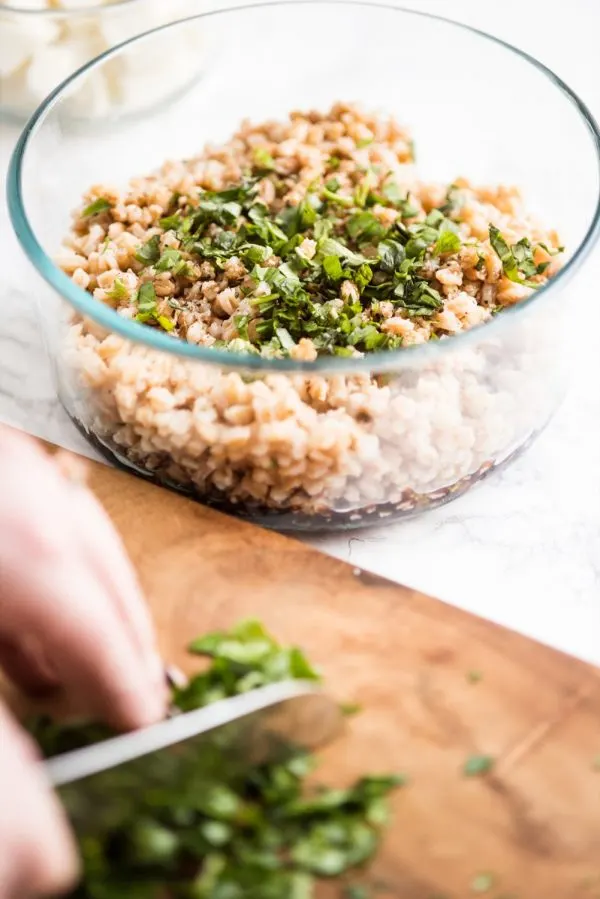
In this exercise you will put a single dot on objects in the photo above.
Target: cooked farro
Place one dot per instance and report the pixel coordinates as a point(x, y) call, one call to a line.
point(307, 239)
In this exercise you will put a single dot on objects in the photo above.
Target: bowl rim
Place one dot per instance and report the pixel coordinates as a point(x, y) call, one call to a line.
point(382, 360)
point(49, 12)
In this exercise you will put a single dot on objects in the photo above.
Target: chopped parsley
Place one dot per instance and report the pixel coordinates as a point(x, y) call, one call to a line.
point(226, 829)
point(95, 208)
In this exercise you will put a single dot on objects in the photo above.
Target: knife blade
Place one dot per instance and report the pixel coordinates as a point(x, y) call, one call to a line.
point(102, 785)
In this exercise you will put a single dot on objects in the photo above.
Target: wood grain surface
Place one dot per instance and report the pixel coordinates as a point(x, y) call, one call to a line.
point(533, 823)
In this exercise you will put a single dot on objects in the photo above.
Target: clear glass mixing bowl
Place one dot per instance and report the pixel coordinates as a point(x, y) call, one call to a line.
point(435, 418)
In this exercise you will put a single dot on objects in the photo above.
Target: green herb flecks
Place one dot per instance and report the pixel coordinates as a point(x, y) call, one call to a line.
point(367, 247)
point(483, 883)
point(149, 252)
point(224, 828)
point(478, 765)
point(263, 161)
point(147, 304)
point(118, 292)
point(95, 208)
point(517, 261)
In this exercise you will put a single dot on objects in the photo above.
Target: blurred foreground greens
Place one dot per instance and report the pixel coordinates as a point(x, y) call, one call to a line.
point(215, 827)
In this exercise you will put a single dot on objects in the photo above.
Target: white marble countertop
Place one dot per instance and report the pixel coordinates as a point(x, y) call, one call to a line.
point(523, 548)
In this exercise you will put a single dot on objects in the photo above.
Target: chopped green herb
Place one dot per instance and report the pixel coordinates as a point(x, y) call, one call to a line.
point(354, 891)
point(364, 142)
point(361, 193)
point(447, 242)
point(454, 201)
point(263, 160)
point(146, 298)
point(169, 260)
point(223, 829)
point(171, 222)
point(477, 765)
point(149, 252)
point(474, 676)
point(350, 709)
point(165, 323)
point(365, 227)
point(118, 291)
point(331, 247)
point(483, 883)
point(391, 255)
point(333, 268)
point(95, 208)
point(285, 338)
point(334, 197)
point(517, 261)
point(552, 251)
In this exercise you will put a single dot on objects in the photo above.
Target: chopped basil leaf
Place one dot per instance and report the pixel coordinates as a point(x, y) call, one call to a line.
point(149, 252)
point(364, 226)
point(165, 323)
point(391, 255)
point(118, 291)
point(171, 222)
point(363, 276)
point(447, 242)
point(222, 829)
point(333, 197)
point(169, 260)
point(284, 338)
point(331, 247)
point(263, 160)
point(477, 765)
point(517, 261)
point(95, 208)
point(333, 268)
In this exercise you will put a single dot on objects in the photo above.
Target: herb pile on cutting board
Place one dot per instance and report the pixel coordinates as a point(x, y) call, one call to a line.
point(230, 832)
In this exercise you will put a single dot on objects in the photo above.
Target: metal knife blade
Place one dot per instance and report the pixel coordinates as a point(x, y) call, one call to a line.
point(103, 785)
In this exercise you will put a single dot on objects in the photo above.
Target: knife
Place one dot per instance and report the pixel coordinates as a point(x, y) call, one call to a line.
point(102, 785)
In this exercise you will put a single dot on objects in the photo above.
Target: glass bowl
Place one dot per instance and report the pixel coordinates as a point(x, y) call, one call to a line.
point(336, 442)
point(40, 47)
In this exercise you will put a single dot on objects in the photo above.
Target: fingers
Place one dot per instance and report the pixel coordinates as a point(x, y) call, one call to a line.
point(38, 855)
point(65, 581)
point(94, 654)
point(24, 662)
point(106, 555)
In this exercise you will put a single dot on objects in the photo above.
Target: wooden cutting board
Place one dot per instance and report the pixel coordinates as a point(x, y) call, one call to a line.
point(533, 823)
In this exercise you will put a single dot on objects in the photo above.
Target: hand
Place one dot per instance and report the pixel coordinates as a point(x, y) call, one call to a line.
point(38, 854)
point(71, 612)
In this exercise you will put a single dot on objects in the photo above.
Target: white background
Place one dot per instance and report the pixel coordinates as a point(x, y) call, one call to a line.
point(522, 549)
